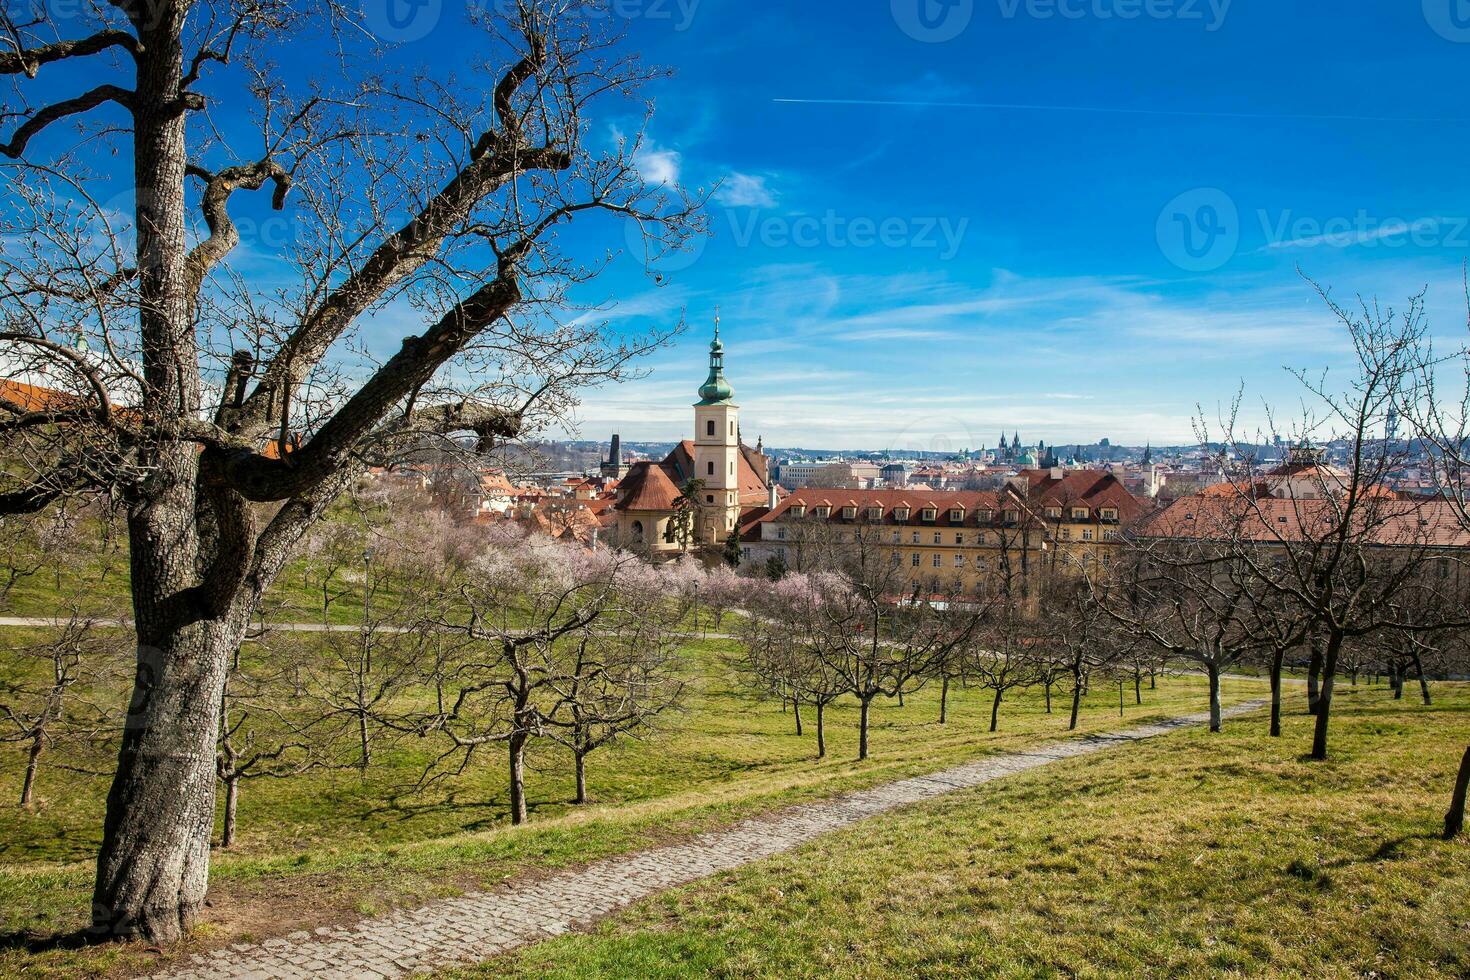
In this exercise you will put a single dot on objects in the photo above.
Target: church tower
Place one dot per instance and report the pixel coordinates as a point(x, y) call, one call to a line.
point(717, 448)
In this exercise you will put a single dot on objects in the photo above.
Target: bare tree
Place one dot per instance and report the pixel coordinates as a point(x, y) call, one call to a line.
point(616, 678)
point(203, 393)
point(56, 691)
point(263, 732)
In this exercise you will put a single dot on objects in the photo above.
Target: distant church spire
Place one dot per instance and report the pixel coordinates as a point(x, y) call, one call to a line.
point(716, 390)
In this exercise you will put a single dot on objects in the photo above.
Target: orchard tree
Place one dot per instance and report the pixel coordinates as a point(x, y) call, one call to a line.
point(226, 410)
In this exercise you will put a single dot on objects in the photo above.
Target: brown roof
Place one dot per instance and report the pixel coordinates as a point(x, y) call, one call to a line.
point(1386, 521)
point(648, 487)
point(1093, 489)
point(34, 398)
point(971, 501)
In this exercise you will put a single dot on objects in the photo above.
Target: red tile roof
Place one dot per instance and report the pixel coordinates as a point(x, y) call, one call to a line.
point(648, 487)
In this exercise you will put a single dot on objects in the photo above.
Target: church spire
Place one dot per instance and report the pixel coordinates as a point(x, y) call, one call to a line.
point(716, 390)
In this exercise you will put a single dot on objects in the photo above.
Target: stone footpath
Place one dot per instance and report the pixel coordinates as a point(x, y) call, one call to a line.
point(477, 926)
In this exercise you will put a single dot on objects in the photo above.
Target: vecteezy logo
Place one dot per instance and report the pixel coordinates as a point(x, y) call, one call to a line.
point(1199, 230)
point(1449, 18)
point(398, 21)
point(932, 21)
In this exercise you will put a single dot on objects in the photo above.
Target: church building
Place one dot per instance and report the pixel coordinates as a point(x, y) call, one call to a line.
point(698, 495)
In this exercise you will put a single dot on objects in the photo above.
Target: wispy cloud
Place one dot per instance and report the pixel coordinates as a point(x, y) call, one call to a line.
point(745, 191)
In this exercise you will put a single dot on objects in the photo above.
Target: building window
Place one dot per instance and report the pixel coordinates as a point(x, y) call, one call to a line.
point(709, 498)
point(710, 467)
point(930, 514)
point(901, 514)
point(732, 428)
point(1110, 535)
point(1065, 534)
point(936, 561)
point(1087, 534)
point(1079, 513)
point(1053, 513)
point(709, 427)
point(914, 559)
point(897, 558)
point(957, 515)
point(980, 538)
point(959, 561)
point(848, 513)
point(916, 537)
point(937, 538)
point(875, 513)
point(897, 537)
point(745, 554)
point(959, 539)
point(798, 510)
point(780, 534)
point(823, 512)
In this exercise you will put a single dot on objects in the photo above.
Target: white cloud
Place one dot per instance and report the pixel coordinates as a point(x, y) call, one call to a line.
point(658, 165)
point(745, 191)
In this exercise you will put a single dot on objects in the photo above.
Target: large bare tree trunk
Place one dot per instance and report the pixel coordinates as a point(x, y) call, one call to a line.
point(796, 708)
point(581, 777)
point(1454, 821)
point(863, 728)
point(153, 867)
point(995, 711)
point(944, 700)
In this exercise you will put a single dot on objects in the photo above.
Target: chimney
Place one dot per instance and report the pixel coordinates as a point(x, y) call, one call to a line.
point(771, 499)
point(1057, 473)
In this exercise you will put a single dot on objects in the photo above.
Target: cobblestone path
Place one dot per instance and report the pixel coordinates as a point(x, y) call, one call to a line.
point(477, 926)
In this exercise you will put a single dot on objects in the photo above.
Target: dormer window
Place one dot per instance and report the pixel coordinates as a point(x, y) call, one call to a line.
point(931, 513)
point(1012, 516)
point(1079, 513)
point(900, 513)
point(1109, 513)
point(823, 511)
point(957, 515)
point(848, 513)
point(875, 513)
point(1053, 513)
point(798, 510)
point(985, 516)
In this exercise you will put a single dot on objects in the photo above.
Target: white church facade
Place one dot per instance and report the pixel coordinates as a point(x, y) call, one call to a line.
point(703, 491)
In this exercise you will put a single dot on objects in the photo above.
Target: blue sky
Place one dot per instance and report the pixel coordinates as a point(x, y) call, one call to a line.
point(940, 219)
point(1037, 276)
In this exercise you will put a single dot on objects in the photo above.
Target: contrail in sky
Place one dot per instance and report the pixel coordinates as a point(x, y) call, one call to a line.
point(1111, 110)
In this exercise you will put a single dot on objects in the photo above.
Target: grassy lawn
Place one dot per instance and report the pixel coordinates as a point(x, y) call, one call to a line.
point(1188, 855)
point(333, 847)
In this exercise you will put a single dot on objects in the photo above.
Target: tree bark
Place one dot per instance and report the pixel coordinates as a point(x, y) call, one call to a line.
point(1276, 663)
point(581, 777)
point(517, 751)
point(995, 711)
point(1454, 820)
point(1137, 687)
point(153, 865)
point(1396, 681)
point(1214, 674)
point(796, 708)
point(863, 728)
point(944, 700)
point(1324, 699)
point(1314, 678)
point(1423, 682)
point(1047, 682)
point(821, 730)
point(32, 762)
point(1076, 700)
point(232, 800)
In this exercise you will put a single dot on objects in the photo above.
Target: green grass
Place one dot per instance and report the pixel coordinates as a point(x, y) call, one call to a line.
point(1188, 855)
point(332, 847)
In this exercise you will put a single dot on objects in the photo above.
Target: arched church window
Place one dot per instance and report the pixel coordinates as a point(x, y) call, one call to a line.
point(711, 466)
point(709, 427)
point(637, 530)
